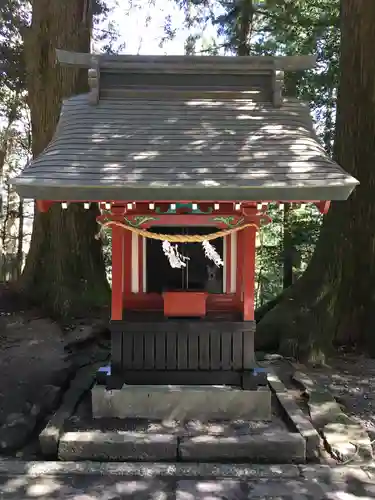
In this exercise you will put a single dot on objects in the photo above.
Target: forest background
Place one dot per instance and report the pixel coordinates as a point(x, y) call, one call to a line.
point(314, 290)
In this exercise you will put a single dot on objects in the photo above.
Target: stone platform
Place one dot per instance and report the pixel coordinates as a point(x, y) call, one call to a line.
point(172, 402)
point(285, 436)
point(172, 439)
point(189, 441)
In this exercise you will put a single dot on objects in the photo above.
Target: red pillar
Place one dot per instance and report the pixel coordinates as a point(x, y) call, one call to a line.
point(117, 272)
point(228, 266)
point(127, 260)
point(239, 270)
point(249, 239)
point(140, 264)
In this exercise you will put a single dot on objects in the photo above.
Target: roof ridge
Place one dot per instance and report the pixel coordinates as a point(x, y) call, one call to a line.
point(201, 63)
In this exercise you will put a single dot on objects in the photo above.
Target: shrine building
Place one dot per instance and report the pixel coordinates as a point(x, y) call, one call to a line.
point(183, 155)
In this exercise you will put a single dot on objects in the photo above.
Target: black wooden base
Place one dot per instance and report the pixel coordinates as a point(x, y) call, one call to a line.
point(183, 345)
point(183, 352)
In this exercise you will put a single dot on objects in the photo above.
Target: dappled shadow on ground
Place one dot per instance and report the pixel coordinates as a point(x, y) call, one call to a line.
point(149, 486)
point(351, 380)
point(352, 484)
point(358, 488)
point(33, 369)
point(84, 488)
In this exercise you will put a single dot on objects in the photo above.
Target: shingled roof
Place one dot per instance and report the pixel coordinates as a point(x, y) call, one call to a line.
point(172, 128)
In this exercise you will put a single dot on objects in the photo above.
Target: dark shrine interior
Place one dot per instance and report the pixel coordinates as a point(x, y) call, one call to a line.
point(200, 274)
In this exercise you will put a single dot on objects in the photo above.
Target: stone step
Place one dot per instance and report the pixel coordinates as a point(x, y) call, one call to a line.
point(272, 447)
point(168, 481)
point(277, 447)
point(117, 445)
point(181, 402)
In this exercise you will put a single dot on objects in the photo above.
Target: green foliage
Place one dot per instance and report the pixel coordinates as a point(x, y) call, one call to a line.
point(304, 226)
point(14, 15)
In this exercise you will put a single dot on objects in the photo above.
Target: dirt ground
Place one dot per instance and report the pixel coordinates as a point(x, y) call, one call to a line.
point(36, 366)
point(33, 369)
point(351, 380)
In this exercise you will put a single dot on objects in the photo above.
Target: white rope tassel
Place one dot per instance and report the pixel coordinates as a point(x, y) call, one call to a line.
point(176, 260)
point(211, 253)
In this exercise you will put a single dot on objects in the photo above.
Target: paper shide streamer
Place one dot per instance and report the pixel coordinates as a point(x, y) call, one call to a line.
point(177, 260)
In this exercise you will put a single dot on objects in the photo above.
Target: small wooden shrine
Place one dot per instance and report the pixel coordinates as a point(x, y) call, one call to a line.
point(183, 155)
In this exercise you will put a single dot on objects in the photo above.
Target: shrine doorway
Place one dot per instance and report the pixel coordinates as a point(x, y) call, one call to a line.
point(199, 274)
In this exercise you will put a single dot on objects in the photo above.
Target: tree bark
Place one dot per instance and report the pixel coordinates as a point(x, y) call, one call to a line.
point(64, 270)
point(333, 301)
point(21, 221)
point(244, 24)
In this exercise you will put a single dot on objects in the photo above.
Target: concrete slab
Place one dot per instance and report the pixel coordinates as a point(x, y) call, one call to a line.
point(96, 445)
point(181, 403)
point(277, 447)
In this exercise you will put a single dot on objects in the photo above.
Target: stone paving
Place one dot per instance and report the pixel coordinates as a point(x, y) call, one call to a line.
point(117, 481)
point(115, 488)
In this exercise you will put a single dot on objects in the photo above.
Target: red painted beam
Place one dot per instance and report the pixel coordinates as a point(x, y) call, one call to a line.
point(183, 219)
point(154, 302)
point(43, 205)
point(123, 203)
point(142, 207)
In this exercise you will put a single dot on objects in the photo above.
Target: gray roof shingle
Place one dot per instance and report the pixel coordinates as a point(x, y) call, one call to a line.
point(167, 144)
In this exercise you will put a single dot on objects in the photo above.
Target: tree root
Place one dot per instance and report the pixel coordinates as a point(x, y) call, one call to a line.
point(295, 329)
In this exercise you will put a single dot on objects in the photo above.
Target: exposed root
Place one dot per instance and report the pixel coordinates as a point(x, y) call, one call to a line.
point(297, 330)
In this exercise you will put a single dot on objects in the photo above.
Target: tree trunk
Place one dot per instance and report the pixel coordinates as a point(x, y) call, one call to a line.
point(64, 270)
point(244, 24)
point(333, 301)
point(20, 242)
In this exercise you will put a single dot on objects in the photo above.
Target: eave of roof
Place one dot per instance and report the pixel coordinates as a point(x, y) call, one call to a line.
point(48, 191)
point(183, 63)
point(201, 149)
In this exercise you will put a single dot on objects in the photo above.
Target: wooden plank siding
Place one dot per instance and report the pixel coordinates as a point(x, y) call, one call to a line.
point(183, 345)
